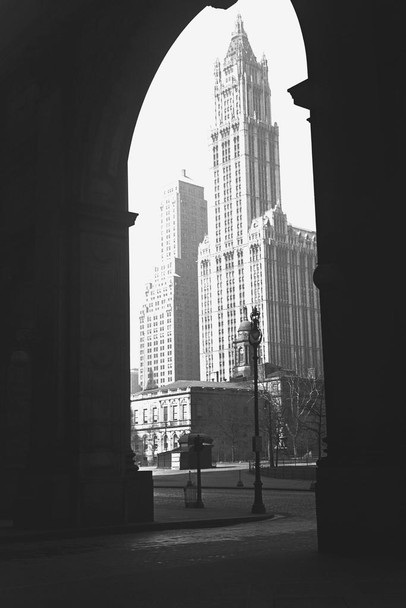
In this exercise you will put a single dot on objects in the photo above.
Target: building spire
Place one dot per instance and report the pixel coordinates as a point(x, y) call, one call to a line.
point(239, 45)
point(239, 26)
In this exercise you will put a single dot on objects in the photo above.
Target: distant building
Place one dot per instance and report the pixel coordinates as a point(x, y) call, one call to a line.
point(291, 405)
point(222, 410)
point(168, 322)
point(225, 411)
point(251, 254)
point(134, 381)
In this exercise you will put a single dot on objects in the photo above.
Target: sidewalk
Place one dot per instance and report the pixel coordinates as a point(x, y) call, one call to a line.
point(170, 511)
point(271, 564)
point(226, 477)
point(227, 512)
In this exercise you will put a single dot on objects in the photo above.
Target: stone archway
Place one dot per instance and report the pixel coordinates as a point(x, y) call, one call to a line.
point(354, 62)
point(73, 77)
point(73, 84)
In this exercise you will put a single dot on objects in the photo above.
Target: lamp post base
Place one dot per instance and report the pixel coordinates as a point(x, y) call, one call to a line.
point(258, 506)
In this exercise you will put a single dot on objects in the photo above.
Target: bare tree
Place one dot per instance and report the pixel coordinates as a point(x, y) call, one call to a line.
point(315, 423)
point(303, 407)
point(272, 417)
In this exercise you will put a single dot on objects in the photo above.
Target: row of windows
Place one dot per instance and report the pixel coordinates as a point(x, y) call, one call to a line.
point(153, 416)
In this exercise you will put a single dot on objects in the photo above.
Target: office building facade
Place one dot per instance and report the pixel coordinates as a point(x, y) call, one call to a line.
point(168, 322)
point(251, 255)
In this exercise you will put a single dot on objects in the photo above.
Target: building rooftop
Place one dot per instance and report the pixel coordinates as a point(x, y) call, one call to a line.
point(183, 385)
point(182, 177)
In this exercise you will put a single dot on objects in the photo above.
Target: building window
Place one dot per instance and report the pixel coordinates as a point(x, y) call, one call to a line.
point(135, 416)
point(145, 416)
point(155, 414)
point(175, 412)
point(165, 413)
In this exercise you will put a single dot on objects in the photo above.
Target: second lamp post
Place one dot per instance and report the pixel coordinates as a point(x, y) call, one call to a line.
point(255, 337)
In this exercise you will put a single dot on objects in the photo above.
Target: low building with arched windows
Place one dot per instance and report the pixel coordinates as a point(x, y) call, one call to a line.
point(159, 416)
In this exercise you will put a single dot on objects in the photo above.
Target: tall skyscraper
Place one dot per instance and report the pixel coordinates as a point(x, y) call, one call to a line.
point(251, 255)
point(168, 322)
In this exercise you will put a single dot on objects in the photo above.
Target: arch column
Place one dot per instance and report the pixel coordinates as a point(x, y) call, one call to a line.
point(79, 469)
point(357, 123)
point(73, 79)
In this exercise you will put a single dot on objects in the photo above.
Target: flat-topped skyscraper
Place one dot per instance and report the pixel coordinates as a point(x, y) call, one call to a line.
point(168, 322)
point(251, 256)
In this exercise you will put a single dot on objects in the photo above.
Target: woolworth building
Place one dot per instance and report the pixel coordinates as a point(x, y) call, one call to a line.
point(251, 255)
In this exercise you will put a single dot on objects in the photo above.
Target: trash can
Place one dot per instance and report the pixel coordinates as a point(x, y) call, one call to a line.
point(190, 492)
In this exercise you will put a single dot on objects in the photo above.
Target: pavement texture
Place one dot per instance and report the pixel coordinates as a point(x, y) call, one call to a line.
point(227, 512)
point(217, 556)
point(172, 512)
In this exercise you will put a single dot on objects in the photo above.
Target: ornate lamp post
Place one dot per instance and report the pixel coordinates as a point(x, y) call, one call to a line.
point(198, 445)
point(255, 337)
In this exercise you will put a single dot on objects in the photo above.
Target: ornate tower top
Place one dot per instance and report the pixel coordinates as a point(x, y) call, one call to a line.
point(239, 46)
point(239, 26)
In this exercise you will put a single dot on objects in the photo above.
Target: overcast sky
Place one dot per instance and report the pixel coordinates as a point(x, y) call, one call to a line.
point(172, 131)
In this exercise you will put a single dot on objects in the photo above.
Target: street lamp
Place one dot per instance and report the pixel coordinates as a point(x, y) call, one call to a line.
point(255, 337)
point(198, 445)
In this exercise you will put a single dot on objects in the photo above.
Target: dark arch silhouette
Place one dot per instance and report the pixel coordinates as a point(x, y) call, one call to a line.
point(74, 81)
point(73, 78)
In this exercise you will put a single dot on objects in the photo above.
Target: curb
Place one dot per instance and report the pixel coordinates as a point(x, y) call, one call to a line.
point(162, 487)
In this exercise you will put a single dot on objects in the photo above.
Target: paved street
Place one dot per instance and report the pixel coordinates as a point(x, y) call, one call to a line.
point(272, 563)
point(300, 505)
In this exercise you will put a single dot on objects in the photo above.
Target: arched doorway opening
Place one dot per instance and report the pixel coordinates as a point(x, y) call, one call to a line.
point(72, 94)
point(182, 111)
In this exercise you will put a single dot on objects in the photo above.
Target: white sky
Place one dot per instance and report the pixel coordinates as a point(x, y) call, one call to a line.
point(172, 131)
